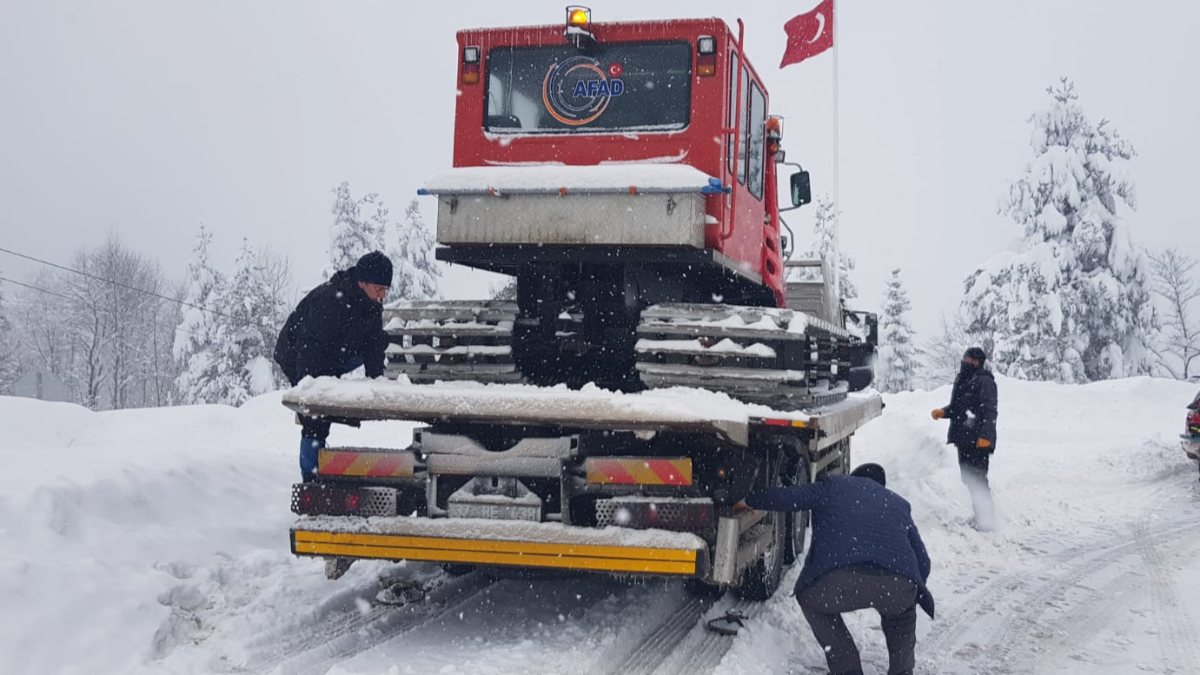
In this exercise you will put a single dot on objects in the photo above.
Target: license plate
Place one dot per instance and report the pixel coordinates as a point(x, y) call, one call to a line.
point(493, 511)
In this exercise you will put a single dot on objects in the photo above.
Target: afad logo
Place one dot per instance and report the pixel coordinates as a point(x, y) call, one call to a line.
point(577, 90)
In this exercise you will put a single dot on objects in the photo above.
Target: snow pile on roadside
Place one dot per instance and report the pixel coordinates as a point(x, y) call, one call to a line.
point(127, 533)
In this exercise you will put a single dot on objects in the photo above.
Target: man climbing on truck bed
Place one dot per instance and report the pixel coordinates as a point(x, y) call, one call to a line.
point(336, 328)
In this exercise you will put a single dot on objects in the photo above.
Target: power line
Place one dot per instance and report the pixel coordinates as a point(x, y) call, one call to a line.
point(107, 281)
point(36, 288)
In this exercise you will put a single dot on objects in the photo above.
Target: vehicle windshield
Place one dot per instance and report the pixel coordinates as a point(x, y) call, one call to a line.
point(622, 86)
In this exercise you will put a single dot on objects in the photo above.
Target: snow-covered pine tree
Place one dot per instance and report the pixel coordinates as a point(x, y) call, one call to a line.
point(416, 272)
point(825, 247)
point(1073, 305)
point(352, 236)
point(248, 328)
point(195, 338)
point(897, 362)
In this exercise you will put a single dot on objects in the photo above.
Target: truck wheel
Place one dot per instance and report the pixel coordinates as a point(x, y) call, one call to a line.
point(797, 522)
point(699, 588)
point(761, 580)
point(797, 527)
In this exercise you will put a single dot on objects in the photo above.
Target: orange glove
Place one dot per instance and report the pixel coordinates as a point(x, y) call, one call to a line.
point(983, 444)
point(938, 413)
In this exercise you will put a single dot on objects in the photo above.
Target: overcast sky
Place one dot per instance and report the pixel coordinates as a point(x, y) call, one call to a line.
point(150, 117)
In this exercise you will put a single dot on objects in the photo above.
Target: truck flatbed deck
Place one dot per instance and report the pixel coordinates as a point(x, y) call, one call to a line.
point(678, 409)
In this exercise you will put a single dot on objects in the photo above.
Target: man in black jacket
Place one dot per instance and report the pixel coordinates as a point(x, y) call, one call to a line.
point(972, 413)
point(336, 328)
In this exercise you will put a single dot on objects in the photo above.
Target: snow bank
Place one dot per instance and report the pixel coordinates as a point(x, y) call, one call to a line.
point(126, 533)
point(615, 177)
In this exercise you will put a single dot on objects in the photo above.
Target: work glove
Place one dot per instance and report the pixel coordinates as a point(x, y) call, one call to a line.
point(983, 444)
point(938, 413)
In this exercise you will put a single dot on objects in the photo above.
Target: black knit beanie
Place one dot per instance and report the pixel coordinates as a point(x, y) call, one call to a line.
point(374, 268)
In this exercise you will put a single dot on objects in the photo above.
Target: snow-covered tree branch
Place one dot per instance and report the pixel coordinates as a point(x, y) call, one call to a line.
point(1175, 282)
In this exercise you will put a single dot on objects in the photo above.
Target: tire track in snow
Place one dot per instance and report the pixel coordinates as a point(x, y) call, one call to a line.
point(1176, 632)
point(1018, 625)
point(1086, 619)
point(660, 642)
point(702, 650)
point(340, 636)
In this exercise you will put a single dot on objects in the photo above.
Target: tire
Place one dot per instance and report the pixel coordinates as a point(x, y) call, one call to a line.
point(797, 528)
point(860, 378)
point(761, 580)
point(699, 588)
point(797, 522)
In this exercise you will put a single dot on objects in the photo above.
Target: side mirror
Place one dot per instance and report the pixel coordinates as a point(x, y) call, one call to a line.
point(801, 189)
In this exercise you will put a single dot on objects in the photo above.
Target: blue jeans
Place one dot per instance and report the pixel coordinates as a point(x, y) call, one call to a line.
point(313, 433)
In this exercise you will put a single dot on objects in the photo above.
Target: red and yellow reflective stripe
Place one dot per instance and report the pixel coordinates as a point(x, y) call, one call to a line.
point(362, 464)
point(639, 471)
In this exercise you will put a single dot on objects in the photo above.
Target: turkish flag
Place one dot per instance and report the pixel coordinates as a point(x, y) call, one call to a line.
point(809, 34)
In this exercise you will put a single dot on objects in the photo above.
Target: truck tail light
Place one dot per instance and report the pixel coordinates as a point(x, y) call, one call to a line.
point(321, 499)
point(640, 513)
point(471, 56)
point(706, 56)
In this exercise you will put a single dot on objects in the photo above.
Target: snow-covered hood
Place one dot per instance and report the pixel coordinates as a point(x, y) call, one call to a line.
point(558, 178)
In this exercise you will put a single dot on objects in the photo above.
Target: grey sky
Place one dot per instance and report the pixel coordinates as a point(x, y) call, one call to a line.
point(148, 118)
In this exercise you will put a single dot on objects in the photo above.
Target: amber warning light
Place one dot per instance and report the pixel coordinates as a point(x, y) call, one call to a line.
point(578, 17)
point(470, 65)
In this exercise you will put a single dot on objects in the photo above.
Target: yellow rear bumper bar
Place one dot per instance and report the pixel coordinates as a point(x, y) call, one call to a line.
point(587, 557)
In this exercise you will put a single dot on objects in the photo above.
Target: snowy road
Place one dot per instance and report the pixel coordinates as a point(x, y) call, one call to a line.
point(171, 525)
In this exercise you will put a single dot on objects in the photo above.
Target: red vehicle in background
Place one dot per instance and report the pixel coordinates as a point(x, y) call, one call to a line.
point(1191, 432)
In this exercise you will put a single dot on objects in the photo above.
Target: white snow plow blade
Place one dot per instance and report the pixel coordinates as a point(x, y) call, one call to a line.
point(692, 410)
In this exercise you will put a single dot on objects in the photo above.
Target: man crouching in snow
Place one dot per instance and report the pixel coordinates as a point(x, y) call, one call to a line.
point(972, 413)
point(865, 553)
point(336, 328)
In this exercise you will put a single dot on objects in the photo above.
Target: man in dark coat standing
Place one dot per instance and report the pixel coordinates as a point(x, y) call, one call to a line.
point(865, 553)
point(972, 413)
point(336, 328)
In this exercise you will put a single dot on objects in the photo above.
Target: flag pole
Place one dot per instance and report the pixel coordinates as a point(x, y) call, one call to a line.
point(837, 243)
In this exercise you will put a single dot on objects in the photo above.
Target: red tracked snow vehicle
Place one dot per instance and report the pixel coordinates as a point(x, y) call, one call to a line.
point(625, 175)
